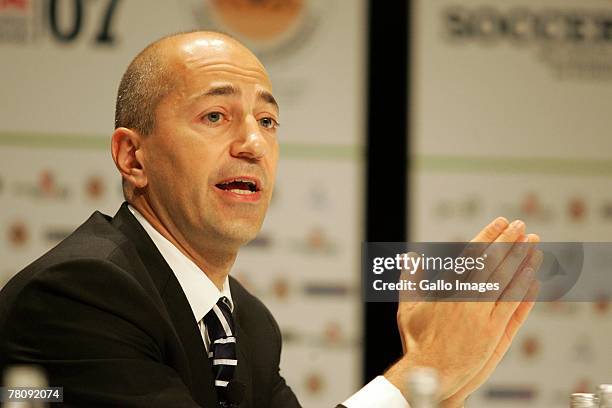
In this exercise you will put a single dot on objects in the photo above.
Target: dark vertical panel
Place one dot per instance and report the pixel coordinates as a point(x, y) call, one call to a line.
point(386, 204)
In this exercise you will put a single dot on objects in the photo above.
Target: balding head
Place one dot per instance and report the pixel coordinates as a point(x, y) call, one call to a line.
point(196, 140)
point(155, 72)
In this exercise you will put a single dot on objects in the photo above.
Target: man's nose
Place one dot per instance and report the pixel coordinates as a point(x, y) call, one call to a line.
point(250, 143)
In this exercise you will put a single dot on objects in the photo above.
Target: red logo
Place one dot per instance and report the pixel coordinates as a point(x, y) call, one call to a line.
point(259, 20)
point(16, 4)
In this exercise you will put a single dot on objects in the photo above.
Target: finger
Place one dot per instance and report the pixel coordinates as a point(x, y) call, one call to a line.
point(513, 262)
point(476, 247)
point(513, 292)
point(524, 307)
point(497, 251)
point(491, 231)
point(533, 240)
point(533, 292)
point(519, 287)
point(522, 311)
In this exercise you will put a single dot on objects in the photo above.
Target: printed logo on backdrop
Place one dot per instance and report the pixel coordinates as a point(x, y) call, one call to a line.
point(272, 28)
point(45, 187)
point(573, 43)
point(95, 187)
point(17, 21)
point(18, 233)
point(65, 21)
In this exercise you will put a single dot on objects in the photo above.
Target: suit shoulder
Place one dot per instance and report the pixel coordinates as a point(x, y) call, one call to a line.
point(96, 238)
point(93, 250)
point(249, 307)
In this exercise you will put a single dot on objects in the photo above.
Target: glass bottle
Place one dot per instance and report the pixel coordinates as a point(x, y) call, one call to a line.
point(604, 393)
point(583, 400)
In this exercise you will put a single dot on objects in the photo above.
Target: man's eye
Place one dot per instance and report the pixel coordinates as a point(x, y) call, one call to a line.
point(268, 123)
point(213, 117)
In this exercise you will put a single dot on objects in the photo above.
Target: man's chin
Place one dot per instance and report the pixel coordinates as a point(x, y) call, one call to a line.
point(241, 233)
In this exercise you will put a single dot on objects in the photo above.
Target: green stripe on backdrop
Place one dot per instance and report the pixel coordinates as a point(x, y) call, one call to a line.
point(53, 140)
point(512, 165)
point(97, 142)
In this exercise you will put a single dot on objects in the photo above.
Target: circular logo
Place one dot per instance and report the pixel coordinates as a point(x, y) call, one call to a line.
point(271, 28)
point(18, 233)
point(94, 187)
point(530, 347)
point(602, 304)
point(576, 209)
point(530, 204)
point(314, 383)
point(333, 333)
point(258, 20)
point(280, 288)
point(46, 182)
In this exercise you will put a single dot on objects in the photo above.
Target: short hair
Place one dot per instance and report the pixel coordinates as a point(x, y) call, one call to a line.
point(143, 85)
point(146, 81)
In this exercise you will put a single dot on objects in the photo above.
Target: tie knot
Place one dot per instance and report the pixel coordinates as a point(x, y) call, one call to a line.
point(219, 320)
point(224, 302)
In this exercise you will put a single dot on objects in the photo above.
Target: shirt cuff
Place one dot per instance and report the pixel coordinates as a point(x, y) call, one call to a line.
point(378, 393)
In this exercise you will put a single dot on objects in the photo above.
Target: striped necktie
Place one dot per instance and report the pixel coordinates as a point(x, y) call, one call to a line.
point(221, 332)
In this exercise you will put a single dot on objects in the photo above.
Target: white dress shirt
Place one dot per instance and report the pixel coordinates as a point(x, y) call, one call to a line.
point(202, 295)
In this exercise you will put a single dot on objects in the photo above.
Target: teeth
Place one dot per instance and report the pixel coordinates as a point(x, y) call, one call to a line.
point(238, 191)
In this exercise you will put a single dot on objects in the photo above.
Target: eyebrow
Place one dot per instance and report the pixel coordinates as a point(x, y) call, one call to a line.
point(223, 90)
point(268, 98)
point(230, 90)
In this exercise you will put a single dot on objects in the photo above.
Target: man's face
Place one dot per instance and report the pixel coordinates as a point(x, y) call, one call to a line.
point(211, 160)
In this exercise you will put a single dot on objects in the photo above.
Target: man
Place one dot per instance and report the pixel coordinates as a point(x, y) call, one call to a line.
point(139, 309)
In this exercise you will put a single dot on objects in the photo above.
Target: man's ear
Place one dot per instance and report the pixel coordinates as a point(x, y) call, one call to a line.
point(127, 154)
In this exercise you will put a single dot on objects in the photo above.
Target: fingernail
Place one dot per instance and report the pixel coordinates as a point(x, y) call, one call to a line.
point(517, 224)
point(533, 238)
point(522, 244)
point(500, 223)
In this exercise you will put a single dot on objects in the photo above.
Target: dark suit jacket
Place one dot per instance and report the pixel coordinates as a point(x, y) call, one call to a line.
point(104, 314)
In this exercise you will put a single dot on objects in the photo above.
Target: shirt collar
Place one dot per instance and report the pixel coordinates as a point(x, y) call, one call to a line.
point(201, 292)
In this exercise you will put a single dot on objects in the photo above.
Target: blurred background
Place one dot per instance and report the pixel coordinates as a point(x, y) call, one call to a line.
point(419, 120)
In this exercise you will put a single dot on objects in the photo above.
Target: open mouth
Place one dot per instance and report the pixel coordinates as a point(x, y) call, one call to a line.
point(243, 186)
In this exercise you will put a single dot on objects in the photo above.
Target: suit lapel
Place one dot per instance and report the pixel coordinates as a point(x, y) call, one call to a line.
point(243, 370)
point(187, 328)
point(201, 379)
